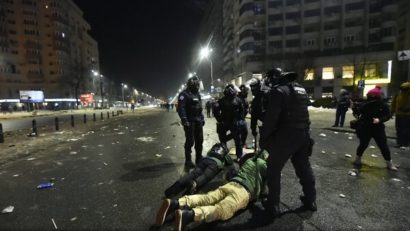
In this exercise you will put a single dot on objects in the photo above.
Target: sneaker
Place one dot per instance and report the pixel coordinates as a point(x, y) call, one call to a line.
point(167, 207)
point(189, 164)
point(183, 218)
point(358, 160)
point(307, 204)
point(192, 188)
point(391, 166)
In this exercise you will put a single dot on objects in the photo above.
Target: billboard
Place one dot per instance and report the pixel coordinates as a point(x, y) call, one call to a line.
point(87, 99)
point(31, 96)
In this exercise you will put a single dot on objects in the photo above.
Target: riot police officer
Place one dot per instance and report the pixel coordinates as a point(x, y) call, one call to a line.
point(285, 134)
point(190, 112)
point(256, 105)
point(243, 95)
point(228, 112)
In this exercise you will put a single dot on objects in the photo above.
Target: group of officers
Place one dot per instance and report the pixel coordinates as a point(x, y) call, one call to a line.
point(281, 106)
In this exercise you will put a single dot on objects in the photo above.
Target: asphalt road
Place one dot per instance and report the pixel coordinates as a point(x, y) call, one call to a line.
point(113, 179)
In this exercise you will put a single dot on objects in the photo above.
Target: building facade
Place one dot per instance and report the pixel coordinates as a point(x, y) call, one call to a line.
point(332, 44)
point(45, 45)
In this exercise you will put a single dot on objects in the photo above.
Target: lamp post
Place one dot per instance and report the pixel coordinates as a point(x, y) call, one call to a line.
point(205, 53)
point(101, 91)
point(124, 86)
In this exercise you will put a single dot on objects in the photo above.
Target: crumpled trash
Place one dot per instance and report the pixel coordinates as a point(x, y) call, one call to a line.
point(372, 147)
point(353, 172)
point(54, 223)
point(322, 134)
point(73, 153)
point(323, 151)
point(145, 139)
point(336, 132)
point(73, 219)
point(348, 155)
point(350, 138)
point(168, 147)
point(31, 158)
point(158, 155)
point(120, 133)
point(46, 185)
point(8, 209)
point(73, 140)
point(342, 195)
point(374, 155)
point(396, 179)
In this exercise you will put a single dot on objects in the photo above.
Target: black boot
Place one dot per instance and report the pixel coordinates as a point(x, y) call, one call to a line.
point(308, 204)
point(168, 206)
point(274, 210)
point(174, 189)
point(189, 164)
point(183, 218)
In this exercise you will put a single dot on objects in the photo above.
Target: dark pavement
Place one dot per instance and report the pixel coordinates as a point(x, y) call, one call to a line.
point(114, 176)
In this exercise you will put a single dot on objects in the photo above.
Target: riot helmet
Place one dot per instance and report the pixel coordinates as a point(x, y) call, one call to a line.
point(244, 91)
point(276, 76)
point(194, 84)
point(231, 90)
point(255, 85)
point(219, 149)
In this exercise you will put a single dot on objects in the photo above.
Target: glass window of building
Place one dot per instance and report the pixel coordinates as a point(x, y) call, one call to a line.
point(309, 74)
point(370, 70)
point(348, 72)
point(327, 73)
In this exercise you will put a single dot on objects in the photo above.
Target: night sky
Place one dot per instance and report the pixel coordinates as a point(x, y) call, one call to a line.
point(146, 44)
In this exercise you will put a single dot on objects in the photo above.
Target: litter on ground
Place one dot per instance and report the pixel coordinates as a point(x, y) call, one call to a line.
point(8, 209)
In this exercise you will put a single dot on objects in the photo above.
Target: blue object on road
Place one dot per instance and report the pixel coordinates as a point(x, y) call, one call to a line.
point(47, 185)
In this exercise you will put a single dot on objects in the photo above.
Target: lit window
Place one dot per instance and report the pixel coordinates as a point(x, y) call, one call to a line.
point(309, 74)
point(328, 73)
point(348, 72)
point(370, 70)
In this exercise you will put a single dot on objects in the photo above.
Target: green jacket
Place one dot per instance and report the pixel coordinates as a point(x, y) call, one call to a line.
point(221, 161)
point(252, 176)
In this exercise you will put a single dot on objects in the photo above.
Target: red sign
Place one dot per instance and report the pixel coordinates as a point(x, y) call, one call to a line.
point(87, 98)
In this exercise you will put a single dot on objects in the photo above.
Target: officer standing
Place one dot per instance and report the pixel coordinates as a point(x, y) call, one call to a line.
point(190, 112)
point(285, 134)
point(228, 112)
point(256, 105)
point(243, 95)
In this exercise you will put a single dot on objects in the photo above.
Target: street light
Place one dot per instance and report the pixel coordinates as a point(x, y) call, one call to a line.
point(101, 91)
point(124, 86)
point(205, 53)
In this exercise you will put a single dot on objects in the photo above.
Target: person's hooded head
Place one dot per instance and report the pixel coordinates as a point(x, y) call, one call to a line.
point(375, 93)
point(405, 88)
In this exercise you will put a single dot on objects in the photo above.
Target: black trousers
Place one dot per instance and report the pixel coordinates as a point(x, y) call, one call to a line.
point(403, 130)
point(366, 133)
point(204, 172)
point(340, 116)
point(294, 145)
point(235, 134)
point(193, 135)
point(244, 131)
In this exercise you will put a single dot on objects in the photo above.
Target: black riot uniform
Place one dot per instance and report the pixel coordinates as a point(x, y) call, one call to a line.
point(228, 112)
point(190, 112)
point(257, 110)
point(285, 134)
point(243, 95)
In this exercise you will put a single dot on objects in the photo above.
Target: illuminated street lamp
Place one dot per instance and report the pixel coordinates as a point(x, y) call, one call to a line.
point(205, 53)
point(124, 86)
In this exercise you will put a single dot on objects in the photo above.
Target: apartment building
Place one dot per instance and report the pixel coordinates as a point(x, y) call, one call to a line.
point(45, 45)
point(332, 44)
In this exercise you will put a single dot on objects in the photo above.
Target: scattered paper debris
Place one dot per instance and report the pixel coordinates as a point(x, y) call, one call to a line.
point(374, 155)
point(73, 153)
point(16, 175)
point(359, 227)
point(115, 205)
point(372, 147)
point(105, 164)
point(396, 179)
point(100, 154)
point(352, 173)
point(101, 183)
point(54, 223)
point(84, 146)
point(145, 139)
point(336, 132)
point(58, 163)
point(350, 138)
point(158, 155)
point(120, 133)
point(30, 159)
point(8, 209)
point(322, 134)
point(324, 152)
point(73, 219)
point(168, 147)
point(73, 140)
point(348, 155)
point(100, 145)
point(116, 129)
point(342, 195)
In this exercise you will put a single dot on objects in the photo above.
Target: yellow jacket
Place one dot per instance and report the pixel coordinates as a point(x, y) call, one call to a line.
point(401, 102)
